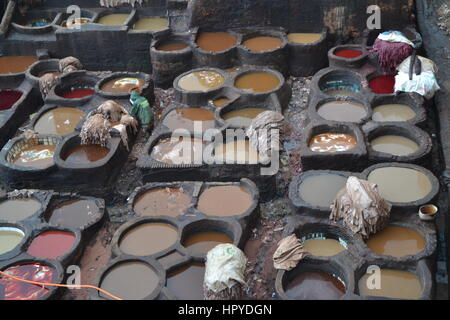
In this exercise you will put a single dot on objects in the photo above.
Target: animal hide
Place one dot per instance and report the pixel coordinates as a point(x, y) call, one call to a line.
point(111, 111)
point(391, 54)
point(289, 253)
point(116, 3)
point(95, 130)
point(47, 82)
point(69, 64)
point(361, 207)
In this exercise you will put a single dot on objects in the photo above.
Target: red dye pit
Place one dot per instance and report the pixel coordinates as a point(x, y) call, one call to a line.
point(382, 84)
point(51, 244)
point(348, 53)
point(78, 93)
point(8, 98)
point(11, 289)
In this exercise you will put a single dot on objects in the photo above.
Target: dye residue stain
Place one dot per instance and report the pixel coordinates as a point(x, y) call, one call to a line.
point(8, 98)
point(117, 19)
point(257, 82)
point(11, 289)
point(51, 244)
point(394, 284)
point(323, 247)
point(216, 41)
point(321, 190)
point(382, 84)
point(396, 241)
point(18, 209)
point(184, 151)
point(78, 93)
point(200, 243)
point(10, 238)
point(122, 85)
point(184, 119)
point(38, 156)
point(236, 152)
point(164, 201)
point(148, 238)
point(201, 81)
point(172, 46)
point(242, 117)
point(393, 112)
point(315, 285)
point(332, 142)
point(348, 53)
point(262, 43)
point(151, 24)
point(224, 201)
point(304, 38)
point(342, 111)
point(86, 153)
point(16, 64)
point(395, 145)
point(73, 213)
point(187, 283)
point(130, 281)
point(60, 121)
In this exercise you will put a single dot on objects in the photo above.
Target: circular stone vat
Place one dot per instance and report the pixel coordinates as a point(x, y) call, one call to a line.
point(342, 110)
point(224, 201)
point(396, 241)
point(257, 82)
point(383, 84)
point(59, 121)
point(184, 118)
point(304, 38)
point(347, 56)
point(39, 272)
point(132, 280)
point(220, 102)
point(72, 23)
point(10, 238)
point(144, 239)
point(77, 93)
point(8, 98)
point(397, 284)
point(320, 246)
point(122, 85)
point(201, 242)
point(216, 41)
point(74, 214)
point(32, 153)
point(332, 142)
point(262, 43)
point(153, 24)
point(347, 53)
point(394, 144)
point(236, 152)
point(202, 80)
point(82, 154)
point(15, 64)
point(401, 184)
point(115, 19)
point(186, 283)
point(162, 202)
point(19, 209)
point(170, 151)
point(52, 244)
point(393, 112)
point(242, 117)
point(171, 45)
point(337, 82)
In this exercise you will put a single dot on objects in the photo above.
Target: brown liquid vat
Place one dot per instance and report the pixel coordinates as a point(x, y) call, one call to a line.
point(216, 41)
point(224, 201)
point(162, 202)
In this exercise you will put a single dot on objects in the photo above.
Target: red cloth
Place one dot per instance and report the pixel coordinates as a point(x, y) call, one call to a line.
point(391, 54)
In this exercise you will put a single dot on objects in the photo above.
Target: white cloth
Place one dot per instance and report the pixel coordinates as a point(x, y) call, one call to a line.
point(394, 36)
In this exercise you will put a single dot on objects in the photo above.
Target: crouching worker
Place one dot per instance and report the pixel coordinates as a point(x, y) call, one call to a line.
point(141, 109)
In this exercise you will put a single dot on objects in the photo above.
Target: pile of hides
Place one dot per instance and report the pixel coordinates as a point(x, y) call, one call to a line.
point(96, 128)
point(116, 3)
point(224, 273)
point(69, 64)
point(261, 135)
point(289, 253)
point(392, 48)
point(361, 207)
point(49, 80)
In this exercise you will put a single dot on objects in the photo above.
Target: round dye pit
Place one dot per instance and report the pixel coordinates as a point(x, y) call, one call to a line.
point(340, 83)
point(402, 185)
point(78, 93)
point(237, 152)
point(216, 41)
point(8, 98)
point(224, 201)
point(85, 153)
point(51, 244)
point(73, 213)
point(394, 284)
point(184, 151)
point(130, 281)
point(395, 145)
point(382, 84)
point(220, 102)
point(19, 209)
point(257, 82)
point(72, 23)
point(16, 290)
point(332, 142)
point(348, 53)
point(122, 85)
point(200, 243)
point(37, 23)
point(16, 64)
point(201, 81)
point(10, 238)
point(320, 246)
point(187, 283)
point(342, 111)
point(172, 46)
point(151, 24)
point(117, 19)
point(162, 202)
point(262, 43)
point(59, 121)
point(184, 119)
point(396, 241)
point(393, 112)
point(304, 38)
point(315, 285)
point(37, 156)
point(148, 238)
point(321, 190)
point(242, 117)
